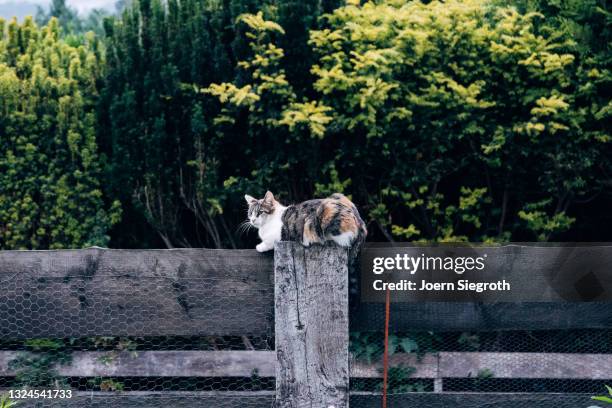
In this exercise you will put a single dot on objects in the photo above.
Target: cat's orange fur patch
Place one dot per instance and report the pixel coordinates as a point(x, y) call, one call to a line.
point(328, 213)
point(348, 223)
point(310, 235)
point(345, 201)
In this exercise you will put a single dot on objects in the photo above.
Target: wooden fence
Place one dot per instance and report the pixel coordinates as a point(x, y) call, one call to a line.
point(300, 296)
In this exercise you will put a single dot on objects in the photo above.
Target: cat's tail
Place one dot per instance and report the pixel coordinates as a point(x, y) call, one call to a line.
point(354, 261)
point(355, 249)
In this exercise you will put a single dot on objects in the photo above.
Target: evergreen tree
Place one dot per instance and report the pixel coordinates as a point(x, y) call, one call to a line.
point(154, 128)
point(50, 191)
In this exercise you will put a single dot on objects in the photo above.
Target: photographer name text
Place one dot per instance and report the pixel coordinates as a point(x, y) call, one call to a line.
point(425, 286)
point(411, 265)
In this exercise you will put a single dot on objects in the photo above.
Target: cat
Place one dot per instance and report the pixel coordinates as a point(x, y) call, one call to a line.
point(311, 222)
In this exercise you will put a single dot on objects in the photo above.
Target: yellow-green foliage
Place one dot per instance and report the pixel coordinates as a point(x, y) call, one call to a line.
point(460, 87)
point(50, 192)
point(267, 94)
point(456, 120)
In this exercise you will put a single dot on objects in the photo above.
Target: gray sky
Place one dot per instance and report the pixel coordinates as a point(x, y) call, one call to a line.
point(82, 5)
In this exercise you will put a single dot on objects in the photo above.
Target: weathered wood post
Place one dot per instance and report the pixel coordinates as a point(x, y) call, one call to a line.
point(311, 313)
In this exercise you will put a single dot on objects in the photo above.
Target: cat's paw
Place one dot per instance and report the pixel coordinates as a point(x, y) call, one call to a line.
point(262, 247)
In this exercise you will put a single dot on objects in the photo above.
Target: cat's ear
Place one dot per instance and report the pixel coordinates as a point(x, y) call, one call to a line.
point(250, 200)
point(268, 200)
point(269, 197)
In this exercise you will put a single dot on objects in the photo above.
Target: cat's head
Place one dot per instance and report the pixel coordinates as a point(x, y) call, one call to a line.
point(260, 210)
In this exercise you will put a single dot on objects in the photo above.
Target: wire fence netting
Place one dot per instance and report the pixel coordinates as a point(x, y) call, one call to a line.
point(114, 329)
point(478, 367)
point(195, 338)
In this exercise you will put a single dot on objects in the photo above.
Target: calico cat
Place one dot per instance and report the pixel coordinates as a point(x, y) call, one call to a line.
point(312, 222)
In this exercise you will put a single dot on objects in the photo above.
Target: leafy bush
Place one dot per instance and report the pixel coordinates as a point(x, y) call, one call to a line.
point(453, 121)
point(50, 188)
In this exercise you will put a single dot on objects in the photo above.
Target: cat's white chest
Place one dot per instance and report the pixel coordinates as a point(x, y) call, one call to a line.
point(270, 232)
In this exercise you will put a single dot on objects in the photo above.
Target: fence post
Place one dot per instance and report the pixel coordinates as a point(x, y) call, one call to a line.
point(311, 323)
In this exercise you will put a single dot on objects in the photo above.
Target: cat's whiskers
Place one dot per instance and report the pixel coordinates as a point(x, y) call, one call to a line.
point(244, 227)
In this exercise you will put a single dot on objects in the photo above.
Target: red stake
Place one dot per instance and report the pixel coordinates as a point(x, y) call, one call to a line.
point(386, 352)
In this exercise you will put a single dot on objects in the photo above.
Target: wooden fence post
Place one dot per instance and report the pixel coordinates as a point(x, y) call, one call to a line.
point(311, 313)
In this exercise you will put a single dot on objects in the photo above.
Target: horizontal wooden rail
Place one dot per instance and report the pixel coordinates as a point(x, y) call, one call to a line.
point(247, 363)
point(533, 273)
point(498, 365)
point(265, 399)
point(526, 365)
point(456, 316)
point(425, 367)
point(160, 364)
point(104, 292)
point(175, 399)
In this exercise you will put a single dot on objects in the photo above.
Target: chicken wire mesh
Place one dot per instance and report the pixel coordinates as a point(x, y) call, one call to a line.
point(486, 367)
point(138, 334)
point(123, 328)
point(541, 342)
